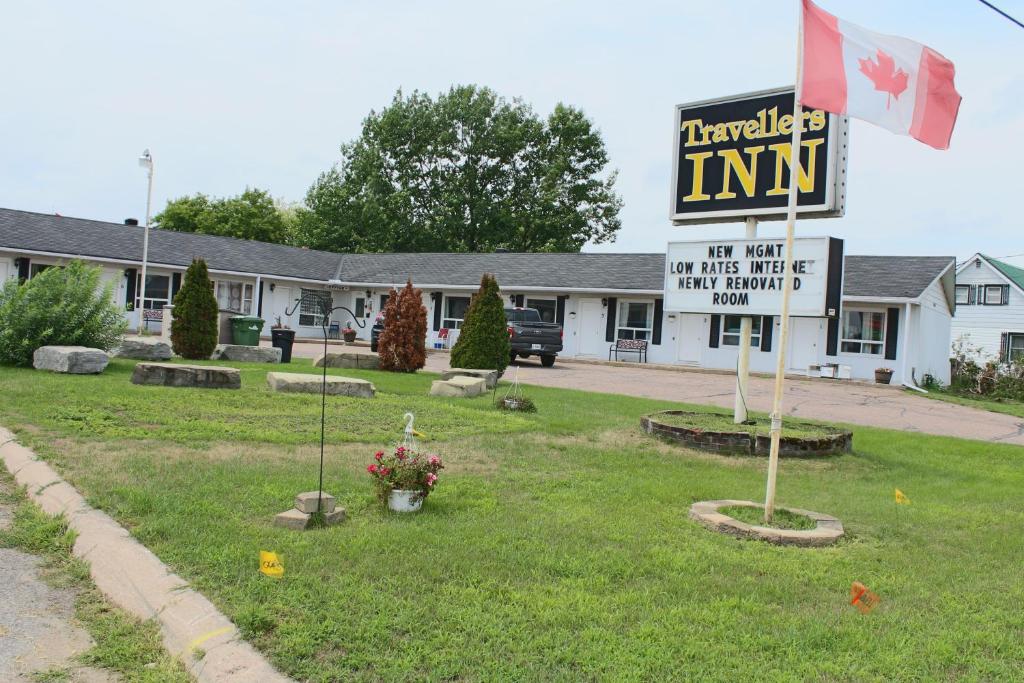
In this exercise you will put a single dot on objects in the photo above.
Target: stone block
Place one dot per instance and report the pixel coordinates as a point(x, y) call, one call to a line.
point(144, 348)
point(201, 376)
point(489, 376)
point(349, 360)
point(458, 387)
point(247, 354)
point(299, 521)
point(306, 502)
point(302, 383)
point(74, 360)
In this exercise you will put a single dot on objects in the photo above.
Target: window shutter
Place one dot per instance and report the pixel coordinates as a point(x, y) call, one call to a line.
point(560, 310)
point(715, 331)
point(129, 295)
point(892, 333)
point(259, 294)
point(609, 330)
point(436, 296)
point(832, 337)
point(972, 293)
point(1006, 295)
point(24, 270)
point(659, 313)
point(520, 299)
point(176, 287)
point(1004, 347)
point(767, 327)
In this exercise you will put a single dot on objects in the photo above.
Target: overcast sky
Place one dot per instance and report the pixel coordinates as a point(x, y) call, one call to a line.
point(230, 94)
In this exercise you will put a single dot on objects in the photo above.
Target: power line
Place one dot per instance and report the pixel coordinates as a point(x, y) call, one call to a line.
point(996, 9)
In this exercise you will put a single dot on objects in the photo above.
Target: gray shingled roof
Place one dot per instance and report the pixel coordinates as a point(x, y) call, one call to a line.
point(99, 239)
point(584, 271)
point(892, 276)
point(871, 276)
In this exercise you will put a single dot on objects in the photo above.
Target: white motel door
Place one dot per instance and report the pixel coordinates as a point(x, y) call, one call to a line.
point(690, 338)
point(591, 330)
point(805, 335)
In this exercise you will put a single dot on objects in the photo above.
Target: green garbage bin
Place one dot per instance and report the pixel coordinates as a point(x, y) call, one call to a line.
point(245, 330)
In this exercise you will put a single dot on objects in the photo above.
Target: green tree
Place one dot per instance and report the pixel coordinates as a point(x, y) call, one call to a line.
point(194, 317)
point(483, 339)
point(466, 172)
point(252, 215)
point(61, 306)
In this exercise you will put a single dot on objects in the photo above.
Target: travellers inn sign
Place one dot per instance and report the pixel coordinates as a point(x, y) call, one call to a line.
point(731, 160)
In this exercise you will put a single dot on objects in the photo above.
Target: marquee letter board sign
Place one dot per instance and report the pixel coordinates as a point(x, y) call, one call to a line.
point(731, 160)
point(745, 277)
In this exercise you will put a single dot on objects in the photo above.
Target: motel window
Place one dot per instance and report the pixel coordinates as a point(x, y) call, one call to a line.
point(993, 295)
point(1015, 347)
point(963, 295)
point(158, 291)
point(455, 308)
point(360, 307)
point(863, 332)
point(234, 296)
point(546, 308)
point(731, 331)
point(37, 268)
point(635, 320)
point(312, 306)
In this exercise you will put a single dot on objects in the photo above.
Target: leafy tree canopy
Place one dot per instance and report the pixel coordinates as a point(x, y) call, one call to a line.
point(252, 215)
point(466, 172)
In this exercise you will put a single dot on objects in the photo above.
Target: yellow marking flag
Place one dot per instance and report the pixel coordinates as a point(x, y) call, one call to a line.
point(901, 498)
point(271, 565)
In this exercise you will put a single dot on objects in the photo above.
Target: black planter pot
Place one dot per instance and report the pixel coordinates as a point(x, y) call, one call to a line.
point(283, 339)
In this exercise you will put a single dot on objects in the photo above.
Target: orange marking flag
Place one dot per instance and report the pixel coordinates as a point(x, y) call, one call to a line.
point(271, 565)
point(863, 599)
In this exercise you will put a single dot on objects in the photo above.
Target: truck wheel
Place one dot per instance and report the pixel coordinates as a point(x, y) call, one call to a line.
point(547, 361)
point(512, 357)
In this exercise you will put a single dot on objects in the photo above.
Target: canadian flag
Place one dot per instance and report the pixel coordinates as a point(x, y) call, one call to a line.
point(890, 81)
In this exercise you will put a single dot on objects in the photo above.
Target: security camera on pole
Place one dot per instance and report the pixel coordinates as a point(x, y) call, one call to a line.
point(146, 162)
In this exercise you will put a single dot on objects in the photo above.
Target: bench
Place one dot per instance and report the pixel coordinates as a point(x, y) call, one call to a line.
point(637, 346)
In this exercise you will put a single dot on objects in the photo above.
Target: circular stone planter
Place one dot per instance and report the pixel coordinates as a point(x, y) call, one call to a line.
point(828, 529)
point(743, 442)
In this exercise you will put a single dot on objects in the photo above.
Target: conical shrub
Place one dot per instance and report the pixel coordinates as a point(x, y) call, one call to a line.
point(402, 343)
point(194, 317)
point(483, 339)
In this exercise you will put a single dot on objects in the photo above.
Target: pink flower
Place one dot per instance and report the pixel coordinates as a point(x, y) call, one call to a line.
point(384, 471)
point(434, 460)
point(400, 452)
point(378, 455)
point(431, 478)
point(372, 468)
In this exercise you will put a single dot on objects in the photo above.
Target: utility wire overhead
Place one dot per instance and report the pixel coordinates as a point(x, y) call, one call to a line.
point(996, 9)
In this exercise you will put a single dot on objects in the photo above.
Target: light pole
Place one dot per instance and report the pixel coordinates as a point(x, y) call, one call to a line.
point(146, 162)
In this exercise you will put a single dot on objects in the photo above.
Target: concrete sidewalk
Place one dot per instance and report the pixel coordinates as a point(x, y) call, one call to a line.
point(819, 399)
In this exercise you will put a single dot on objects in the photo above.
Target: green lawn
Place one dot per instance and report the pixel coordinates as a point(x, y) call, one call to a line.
point(998, 405)
point(557, 546)
point(723, 422)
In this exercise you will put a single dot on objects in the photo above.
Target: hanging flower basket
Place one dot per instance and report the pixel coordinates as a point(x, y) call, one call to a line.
point(406, 477)
point(405, 500)
point(514, 401)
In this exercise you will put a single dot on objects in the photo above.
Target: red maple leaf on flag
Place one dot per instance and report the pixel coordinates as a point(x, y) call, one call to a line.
point(886, 77)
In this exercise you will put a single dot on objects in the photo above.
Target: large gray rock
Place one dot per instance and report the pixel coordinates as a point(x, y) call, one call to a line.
point(458, 387)
point(349, 360)
point(301, 383)
point(488, 376)
point(201, 376)
point(144, 348)
point(74, 360)
point(247, 354)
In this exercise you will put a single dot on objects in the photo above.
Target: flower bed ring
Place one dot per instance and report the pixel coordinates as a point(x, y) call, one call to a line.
point(827, 531)
point(743, 442)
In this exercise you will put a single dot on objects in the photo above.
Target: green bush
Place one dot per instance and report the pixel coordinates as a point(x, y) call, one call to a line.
point(61, 306)
point(483, 339)
point(194, 317)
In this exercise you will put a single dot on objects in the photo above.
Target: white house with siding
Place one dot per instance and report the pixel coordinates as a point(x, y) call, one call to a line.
point(990, 307)
point(896, 311)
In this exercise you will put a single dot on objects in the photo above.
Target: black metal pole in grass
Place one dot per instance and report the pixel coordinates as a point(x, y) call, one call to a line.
point(325, 314)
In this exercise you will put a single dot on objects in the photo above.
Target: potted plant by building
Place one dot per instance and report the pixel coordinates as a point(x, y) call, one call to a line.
point(348, 334)
point(404, 478)
point(282, 337)
point(883, 375)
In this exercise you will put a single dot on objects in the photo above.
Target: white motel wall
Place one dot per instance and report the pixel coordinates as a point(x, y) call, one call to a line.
point(896, 311)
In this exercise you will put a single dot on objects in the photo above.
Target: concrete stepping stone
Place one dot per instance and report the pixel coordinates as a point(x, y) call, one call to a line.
point(72, 360)
point(302, 383)
point(349, 360)
point(247, 354)
point(489, 376)
point(144, 348)
point(200, 376)
point(458, 387)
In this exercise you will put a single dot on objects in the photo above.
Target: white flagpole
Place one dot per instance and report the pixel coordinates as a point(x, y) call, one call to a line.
point(787, 288)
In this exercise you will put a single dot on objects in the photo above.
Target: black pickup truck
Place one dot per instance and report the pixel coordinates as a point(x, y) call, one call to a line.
point(531, 337)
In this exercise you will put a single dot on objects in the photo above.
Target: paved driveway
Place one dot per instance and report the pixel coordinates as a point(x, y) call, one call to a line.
point(819, 399)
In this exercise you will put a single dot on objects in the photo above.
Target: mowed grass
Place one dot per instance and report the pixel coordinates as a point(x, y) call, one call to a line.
point(996, 405)
point(557, 546)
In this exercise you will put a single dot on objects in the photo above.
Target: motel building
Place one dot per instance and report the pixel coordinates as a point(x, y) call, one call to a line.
point(895, 312)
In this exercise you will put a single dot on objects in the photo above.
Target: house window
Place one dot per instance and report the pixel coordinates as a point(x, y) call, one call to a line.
point(360, 307)
point(37, 268)
point(455, 308)
point(731, 331)
point(635, 320)
point(863, 332)
point(993, 295)
point(1015, 347)
point(158, 291)
point(963, 295)
point(312, 306)
point(234, 296)
point(546, 308)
